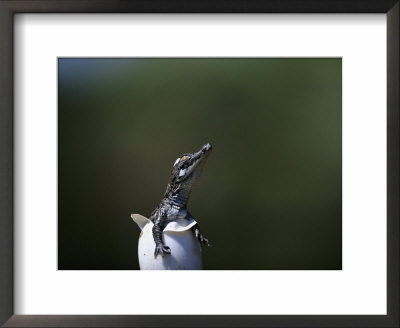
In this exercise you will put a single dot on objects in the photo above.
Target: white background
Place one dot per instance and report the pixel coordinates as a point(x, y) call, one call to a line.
point(360, 288)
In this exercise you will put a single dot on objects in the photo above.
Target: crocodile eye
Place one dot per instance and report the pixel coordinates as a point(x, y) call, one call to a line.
point(184, 158)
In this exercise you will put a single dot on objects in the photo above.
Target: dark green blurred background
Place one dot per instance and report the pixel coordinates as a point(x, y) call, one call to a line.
point(270, 195)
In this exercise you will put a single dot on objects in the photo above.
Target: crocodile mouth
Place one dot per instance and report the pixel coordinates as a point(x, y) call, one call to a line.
point(191, 165)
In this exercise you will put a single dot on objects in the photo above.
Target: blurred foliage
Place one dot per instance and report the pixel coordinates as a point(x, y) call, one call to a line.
point(270, 194)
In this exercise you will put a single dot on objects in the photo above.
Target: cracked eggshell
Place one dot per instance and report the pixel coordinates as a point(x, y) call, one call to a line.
point(185, 248)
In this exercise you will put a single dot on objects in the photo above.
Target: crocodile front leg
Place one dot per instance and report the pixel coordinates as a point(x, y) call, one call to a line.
point(161, 248)
point(197, 233)
point(199, 236)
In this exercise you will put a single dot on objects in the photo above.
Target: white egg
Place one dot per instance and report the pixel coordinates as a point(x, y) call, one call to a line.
point(185, 248)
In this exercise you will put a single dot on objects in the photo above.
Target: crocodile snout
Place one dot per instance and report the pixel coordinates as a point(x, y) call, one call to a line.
point(207, 147)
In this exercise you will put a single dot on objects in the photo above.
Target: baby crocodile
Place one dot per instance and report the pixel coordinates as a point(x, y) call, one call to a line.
point(185, 172)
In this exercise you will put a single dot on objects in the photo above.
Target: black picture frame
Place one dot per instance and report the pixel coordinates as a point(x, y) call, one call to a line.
point(10, 7)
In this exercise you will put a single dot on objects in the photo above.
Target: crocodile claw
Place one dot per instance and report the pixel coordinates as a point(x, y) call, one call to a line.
point(201, 238)
point(162, 249)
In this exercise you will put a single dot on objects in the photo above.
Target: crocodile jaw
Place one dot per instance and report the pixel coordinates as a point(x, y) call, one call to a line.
point(189, 166)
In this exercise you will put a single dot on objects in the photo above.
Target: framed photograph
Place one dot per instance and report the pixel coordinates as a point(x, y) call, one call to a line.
point(111, 110)
point(262, 112)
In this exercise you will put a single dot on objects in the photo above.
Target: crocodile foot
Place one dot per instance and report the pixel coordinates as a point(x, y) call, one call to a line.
point(200, 237)
point(162, 249)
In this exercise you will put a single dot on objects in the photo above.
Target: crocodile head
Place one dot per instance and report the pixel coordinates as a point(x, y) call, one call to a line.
point(188, 167)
